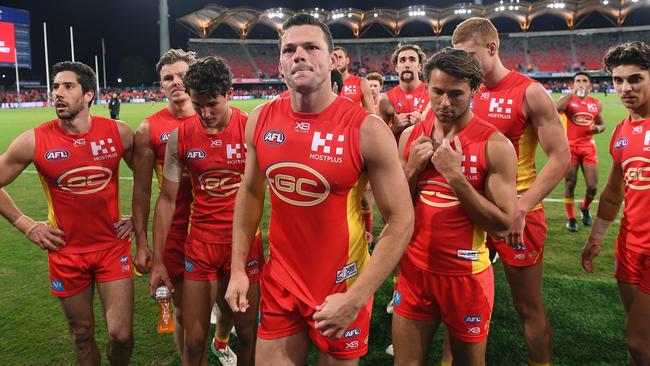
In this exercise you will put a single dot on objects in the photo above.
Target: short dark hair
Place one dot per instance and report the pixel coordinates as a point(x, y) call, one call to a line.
point(629, 53)
point(583, 73)
point(85, 75)
point(308, 19)
point(377, 77)
point(337, 78)
point(209, 76)
point(456, 63)
point(175, 55)
point(337, 48)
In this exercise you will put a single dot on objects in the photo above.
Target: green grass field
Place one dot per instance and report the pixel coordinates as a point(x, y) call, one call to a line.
point(584, 309)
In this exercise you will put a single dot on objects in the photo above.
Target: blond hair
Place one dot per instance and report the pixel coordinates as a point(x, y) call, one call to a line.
point(480, 30)
point(175, 55)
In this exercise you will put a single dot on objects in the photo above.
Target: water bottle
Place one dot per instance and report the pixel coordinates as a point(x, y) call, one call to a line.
point(165, 319)
point(581, 93)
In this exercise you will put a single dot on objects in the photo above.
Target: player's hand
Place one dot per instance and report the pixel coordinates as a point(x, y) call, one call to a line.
point(335, 314)
point(589, 252)
point(143, 259)
point(237, 291)
point(46, 236)
point(124, 227)
point(401, 121)
point(415, 117)
point(447, 159)
point(369, 237)
point(420, 153)
point(160, 277)
point(515, 238)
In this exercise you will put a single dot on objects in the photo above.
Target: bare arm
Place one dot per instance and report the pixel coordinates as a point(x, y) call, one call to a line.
point(143, 164)
point(385, 109)
point(599, 124)
point(127, 142)
point(366, 96)
point(419, 157)
point(563, 102)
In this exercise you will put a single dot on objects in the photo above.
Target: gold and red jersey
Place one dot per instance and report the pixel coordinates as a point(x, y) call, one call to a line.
point(161, 124)
point(581, 114)
point(352, 89)
point(80, 176)
point(215, 162)
point(445, 241)
point(502, 106)
point(630, 149)
point(316, 175)
point(408, 101)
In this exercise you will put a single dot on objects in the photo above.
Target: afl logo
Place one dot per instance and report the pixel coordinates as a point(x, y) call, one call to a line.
point(435, 198)
point(637, 177)
point(297, 184)
point(582, 119)
point(195, 154)
point(57, 155)
point(274, 137)
point(164, 137)
point(220, 182)
point(85, 180)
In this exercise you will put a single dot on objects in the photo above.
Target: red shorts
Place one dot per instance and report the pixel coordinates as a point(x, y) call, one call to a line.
point(207, 261)
point(585, 154)
point(71, 273)
point(174, 257)
point(533, 249)
point(283, 314)
point(463, 303)
point(632, 267)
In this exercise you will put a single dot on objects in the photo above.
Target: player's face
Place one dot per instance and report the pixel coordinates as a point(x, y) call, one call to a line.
point(632, 84)
point(342, 61)
point(408, 66)
point(68, 96)
point(305, 60)
point(375, 88)
point(581, 82)
point(450, 96)
point(211, 110)
point(171, 81)
point(480, 52)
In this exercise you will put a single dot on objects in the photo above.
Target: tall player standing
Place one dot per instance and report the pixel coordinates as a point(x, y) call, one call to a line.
point(77, 157)
point(629, 64)
point(317, 152)
point(354, 87)
point(524, 112)
point(583, 121)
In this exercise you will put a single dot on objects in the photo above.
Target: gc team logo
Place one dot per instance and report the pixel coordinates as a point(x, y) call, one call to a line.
point(85, 180)
point(297, 184)
point(57, 155)
point(220, 182)
point(435, 198)
point(637, 177)
point(582, 119)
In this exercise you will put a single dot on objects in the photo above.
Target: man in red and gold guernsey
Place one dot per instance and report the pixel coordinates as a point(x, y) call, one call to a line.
point(461, 172)
point(583, 121)
point(354, 87)
point(376, 84)
point(629, 64)
point(212, 149)
point(524, 112)
point(407, 103)
point(77, 157)
point(317, 150)
point(149, 155)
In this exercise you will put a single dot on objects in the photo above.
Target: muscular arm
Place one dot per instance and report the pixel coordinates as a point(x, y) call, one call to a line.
point(385, 109)
point(613, 194)
point(143, 164)
point(366, 96)
point(563, 102)
point(126, 134)
point(409, 171)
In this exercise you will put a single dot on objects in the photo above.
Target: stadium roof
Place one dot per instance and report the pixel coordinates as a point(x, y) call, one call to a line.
point(242, 19)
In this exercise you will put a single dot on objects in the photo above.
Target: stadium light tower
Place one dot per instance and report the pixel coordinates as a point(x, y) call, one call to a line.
point(163, 11)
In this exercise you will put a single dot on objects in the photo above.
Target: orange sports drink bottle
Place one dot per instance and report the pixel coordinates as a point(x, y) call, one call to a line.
point(165, 319)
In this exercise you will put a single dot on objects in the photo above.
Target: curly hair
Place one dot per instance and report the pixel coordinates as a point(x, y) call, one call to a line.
point(629, 53)
point(456, 63)
point(85, 75)
point(405, 47)
point(209, 76)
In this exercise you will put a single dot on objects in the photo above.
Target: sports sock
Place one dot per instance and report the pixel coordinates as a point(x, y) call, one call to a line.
point(221, 343)
point(585, 204)
point(569, 205)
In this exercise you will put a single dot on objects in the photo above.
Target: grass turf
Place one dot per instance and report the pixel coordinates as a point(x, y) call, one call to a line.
point(584, 309)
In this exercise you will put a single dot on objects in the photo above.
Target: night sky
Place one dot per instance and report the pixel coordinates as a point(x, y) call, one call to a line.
point(130, 29)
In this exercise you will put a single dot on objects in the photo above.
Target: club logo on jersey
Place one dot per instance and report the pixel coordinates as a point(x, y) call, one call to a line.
point(430, 195)
point(234, 152)
point(350, 89)
point(467, 254)
point(297, 184)
point(195, 154)
point(471, 174)
point(57, 285)
point(57, 155)
point(164, 137)
point(622, 142)
point(500, 108)
point(103, 149)
point(637, 177)
point(349, 271)
point(220, 182)
point(473, 319)
point(274, 137)
point(328, 146)
point(592, 107)
point(352, 333)
point(85, 180)
point(583, 119)
point(302, 127)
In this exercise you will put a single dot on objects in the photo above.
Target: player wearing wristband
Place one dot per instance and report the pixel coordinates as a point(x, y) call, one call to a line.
point(629, 64)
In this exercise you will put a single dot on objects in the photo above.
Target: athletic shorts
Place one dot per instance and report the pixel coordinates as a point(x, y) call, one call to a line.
point(632, 267)
point(463, 303)
point(585, 154)
point(533, 249)
point(174, 257)
point(283, 314)
point(71, 273)
point(208, 261)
